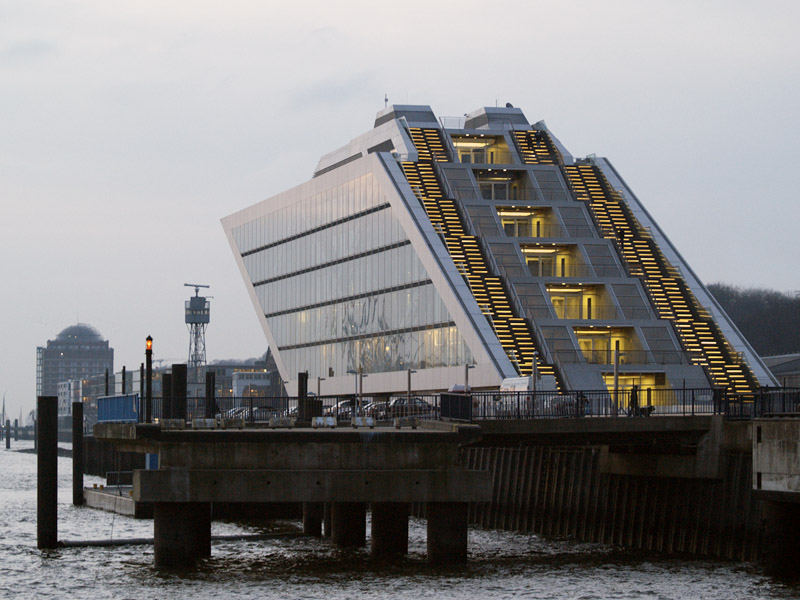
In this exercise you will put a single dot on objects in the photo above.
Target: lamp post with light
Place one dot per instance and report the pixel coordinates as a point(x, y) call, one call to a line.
point(148, 380)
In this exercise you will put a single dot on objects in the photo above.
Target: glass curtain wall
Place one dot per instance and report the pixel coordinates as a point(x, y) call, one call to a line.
point(342, 288)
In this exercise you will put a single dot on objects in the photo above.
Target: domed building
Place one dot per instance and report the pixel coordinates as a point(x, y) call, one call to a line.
point(78, 352)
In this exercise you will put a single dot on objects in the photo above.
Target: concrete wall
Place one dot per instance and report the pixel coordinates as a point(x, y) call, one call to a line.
point(776, 456)
point(564, 492)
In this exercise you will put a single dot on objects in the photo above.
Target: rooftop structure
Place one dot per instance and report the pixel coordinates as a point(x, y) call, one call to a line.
point(430, 244)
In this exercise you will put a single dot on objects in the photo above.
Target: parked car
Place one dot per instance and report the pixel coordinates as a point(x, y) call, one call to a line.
point(403, 406)
point(376, 409)
point(256, 413)
point(342, 410)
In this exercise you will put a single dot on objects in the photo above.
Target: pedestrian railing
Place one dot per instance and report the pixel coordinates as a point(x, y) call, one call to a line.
point(471, 406)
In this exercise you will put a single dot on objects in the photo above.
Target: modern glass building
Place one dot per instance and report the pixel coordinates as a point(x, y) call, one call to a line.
point(431, 245)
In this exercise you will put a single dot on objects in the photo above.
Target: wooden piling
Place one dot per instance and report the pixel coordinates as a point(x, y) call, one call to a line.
point(77, 454)
point(47, 472)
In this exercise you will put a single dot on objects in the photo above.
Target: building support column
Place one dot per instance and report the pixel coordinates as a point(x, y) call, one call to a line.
point(182, 532)
point(326, 520)
point(781, 539)
point(312, 518)
point(348, 524)
point(389, 528)
point(447, 532)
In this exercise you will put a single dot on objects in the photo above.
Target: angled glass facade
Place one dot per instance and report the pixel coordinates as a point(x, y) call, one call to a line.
point(423, 246)
point(342, 288)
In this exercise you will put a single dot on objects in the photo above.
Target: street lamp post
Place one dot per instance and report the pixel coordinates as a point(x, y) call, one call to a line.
point(466, 377)
point(408, 395)
point(361, 392)
point(148, 380)
point(355, 397)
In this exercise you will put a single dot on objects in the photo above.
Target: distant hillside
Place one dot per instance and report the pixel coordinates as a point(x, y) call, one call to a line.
point(769, 320)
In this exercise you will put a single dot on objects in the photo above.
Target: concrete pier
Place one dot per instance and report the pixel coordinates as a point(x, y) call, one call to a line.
point(348, 524)
point(776, 466)
point(389, 529)
point(346, 469)
point(312, 518)
point(326, 519)
point(447, 532)
point(182, 533)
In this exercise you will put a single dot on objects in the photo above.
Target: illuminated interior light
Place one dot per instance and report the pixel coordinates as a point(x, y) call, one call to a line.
point(539, 251)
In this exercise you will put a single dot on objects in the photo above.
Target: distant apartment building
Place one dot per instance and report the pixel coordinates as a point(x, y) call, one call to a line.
point(78, 352)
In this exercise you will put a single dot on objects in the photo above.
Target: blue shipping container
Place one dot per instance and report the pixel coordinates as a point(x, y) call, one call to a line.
point(118, 409)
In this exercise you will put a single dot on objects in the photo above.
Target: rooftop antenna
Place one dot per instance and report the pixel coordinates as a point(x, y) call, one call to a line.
point(198, 316)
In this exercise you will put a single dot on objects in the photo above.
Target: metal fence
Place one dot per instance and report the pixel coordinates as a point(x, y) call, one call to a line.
point(625, 402)
point(263, 409)
point(475, 406)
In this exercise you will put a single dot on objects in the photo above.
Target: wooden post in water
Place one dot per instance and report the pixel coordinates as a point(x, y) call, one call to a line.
point(210, 405)
point(77, 454)
point(179, 376)
point(16, 430)
point(47, 472)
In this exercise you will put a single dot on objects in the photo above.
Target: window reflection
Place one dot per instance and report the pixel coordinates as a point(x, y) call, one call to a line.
point(384, 299)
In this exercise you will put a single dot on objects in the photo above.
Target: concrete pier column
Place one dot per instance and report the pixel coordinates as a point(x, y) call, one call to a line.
point(447, 532)
point(348, 524)
point(182, 532)
point(781, 539)
point(389, 528)
point(312, 518)
point(326, 520)
point(77, 454)
point(47, 472)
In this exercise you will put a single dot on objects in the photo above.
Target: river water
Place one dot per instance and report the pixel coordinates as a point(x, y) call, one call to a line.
point(501, 564)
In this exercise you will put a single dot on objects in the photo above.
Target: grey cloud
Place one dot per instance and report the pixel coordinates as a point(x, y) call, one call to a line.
point(331, 91)
point(27, 50)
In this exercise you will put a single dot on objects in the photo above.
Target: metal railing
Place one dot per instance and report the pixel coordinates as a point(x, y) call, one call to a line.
point(495, 405)
point(265, 409)
point(595, 403)
point(605, 311)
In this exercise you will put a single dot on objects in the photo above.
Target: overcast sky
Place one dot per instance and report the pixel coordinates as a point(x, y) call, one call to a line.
point(128, 129)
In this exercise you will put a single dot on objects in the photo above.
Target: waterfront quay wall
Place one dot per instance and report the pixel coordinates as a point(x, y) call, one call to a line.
point(675, 486)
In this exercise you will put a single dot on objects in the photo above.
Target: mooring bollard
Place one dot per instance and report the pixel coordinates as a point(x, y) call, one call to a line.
point(47, 472)
point(77, 453)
